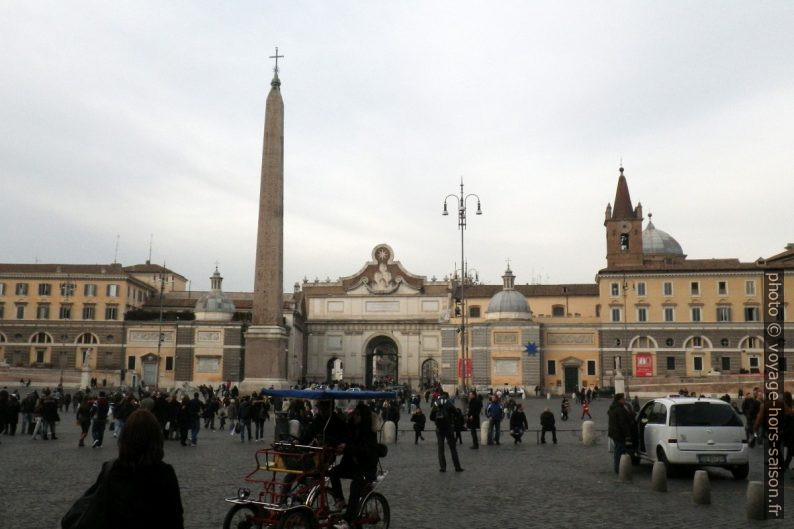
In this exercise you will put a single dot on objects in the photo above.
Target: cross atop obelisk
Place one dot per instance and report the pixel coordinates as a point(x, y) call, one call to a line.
point(277, 57)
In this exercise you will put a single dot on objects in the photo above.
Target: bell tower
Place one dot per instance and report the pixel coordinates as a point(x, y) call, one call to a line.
point(623, 229)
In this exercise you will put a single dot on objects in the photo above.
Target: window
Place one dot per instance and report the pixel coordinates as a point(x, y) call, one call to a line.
point(641, 288)
point(89, 312)
point(2, 289)
point(45, 289)
point(67, 289)
point(43, 312)
point(2, 310)
point(22, 289)
point(89, 290)
point(40, 355)
point(591, 368)
point(669, 314)
point(169, 363)
point(667, 288)
point(20, 312)
point(751, 314)
point(694, 288)
point(598, 311)
point(749, 288)
point(704, 414)
point(659, 414)
point(112, 312)
point(670, 363)
point(617, 342)
point(551, 367)
point(42, 337)
point(130, 362)
point(616, 314)
point(643, 342)
point(751, 342)
point(558, 310)
point(754, 362)
point(695, 313)
point(113, 291)
point(697, 341)
point(642, 313)
point(670, 342)
point(614, 290)
point(624, 242)
point(726, 363)
point(474, 312)
point(697, 363)
point(724, 342)
point(723, 313)
point(65, 312)
point(722, 288)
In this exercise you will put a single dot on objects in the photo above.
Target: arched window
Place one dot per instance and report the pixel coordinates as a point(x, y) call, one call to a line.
point(87, 338)
point(2, 337)
point(41, 337)
point(697, 342)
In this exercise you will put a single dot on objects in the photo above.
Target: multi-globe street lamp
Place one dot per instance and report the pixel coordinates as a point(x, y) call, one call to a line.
point(461, 200)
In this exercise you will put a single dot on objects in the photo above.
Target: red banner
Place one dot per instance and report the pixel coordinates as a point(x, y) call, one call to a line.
point(643, 365)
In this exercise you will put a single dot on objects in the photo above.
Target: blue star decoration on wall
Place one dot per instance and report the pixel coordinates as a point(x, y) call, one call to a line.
point(531, 349)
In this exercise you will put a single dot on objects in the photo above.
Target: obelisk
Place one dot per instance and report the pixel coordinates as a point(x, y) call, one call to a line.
point(266, 340)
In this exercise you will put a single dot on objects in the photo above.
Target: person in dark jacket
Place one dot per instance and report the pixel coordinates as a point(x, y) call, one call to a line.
point(244, 417)
point(183, 420)
point(12, 414)
point(547, 425)
point(473, 418)
point(750, 407)
point(443, 415)
point(518, 423)
point(142, 490)
point(84, 419)
point(359, 463)
point(99, 413)
point(49, 414)
point(619, 429)
point(194, 409)
point(419, 419)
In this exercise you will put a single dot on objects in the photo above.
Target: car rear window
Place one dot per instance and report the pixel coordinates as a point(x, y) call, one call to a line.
point(704, 414)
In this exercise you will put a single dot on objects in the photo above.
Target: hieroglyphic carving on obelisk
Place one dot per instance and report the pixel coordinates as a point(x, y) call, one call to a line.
point(266, 339)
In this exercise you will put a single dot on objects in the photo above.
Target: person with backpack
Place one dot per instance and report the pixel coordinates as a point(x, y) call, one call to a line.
point(494, 412)
point(442, 414)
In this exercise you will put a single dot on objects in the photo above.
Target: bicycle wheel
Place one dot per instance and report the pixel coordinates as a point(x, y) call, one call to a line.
point(296, 519)
point(241, 517)
point(374, 512)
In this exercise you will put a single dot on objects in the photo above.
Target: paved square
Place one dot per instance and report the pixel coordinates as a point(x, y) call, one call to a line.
point(508, 486)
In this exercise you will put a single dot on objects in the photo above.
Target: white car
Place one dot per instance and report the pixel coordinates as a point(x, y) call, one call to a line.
point(693, 431)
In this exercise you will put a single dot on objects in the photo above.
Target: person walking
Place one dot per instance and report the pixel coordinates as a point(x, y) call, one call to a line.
point(419, 419)
point(750, 407)
point(586, 409)
point(442, 415)
point(49, 415)
point(99, 414)
point(518, 424)
point(547, 424)
point(244, 417)
point(619, 429)
point(84, 420)
point(494, 412)
point(194, 408)
point(12, 414)
point(473, 418)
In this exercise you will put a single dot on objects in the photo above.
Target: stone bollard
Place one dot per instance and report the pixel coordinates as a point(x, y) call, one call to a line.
point(755, 500)
point(659, 477)
point(389, 433)
point(624, 469)
point(701, 488)
point(295, 428)
point(484, 432)
point(588, 433)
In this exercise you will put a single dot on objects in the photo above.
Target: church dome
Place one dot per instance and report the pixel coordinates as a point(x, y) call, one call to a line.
point(658, 242)
point(508, 303)
point(215, 305)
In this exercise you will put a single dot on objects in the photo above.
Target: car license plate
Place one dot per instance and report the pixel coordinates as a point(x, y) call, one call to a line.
point(711, 459)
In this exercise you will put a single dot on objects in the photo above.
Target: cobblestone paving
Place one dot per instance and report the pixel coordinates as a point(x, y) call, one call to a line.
point(508, 486)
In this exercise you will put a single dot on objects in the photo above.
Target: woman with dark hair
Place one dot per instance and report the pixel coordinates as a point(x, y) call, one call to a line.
point(138, 489)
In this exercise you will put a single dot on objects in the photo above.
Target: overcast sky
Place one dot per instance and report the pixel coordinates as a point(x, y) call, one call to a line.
point(138, 118)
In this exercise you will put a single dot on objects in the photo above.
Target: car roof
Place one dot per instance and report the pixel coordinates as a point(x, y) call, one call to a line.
point(689, 400)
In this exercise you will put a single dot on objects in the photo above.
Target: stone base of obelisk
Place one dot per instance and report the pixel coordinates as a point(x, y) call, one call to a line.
point(266, 354)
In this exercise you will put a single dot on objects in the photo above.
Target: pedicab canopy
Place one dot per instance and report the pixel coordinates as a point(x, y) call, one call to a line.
point(328, 394)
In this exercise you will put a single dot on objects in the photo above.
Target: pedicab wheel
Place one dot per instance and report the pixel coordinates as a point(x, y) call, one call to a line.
point(301, 518)
point(240, 517)
point(374, 512)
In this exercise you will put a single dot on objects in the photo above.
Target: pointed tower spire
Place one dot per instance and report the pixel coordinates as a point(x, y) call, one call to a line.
point(276, 82)
point(622, 209)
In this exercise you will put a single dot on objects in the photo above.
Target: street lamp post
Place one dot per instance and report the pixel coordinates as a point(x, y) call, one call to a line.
point(461, 203)
point(159, 332)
